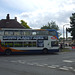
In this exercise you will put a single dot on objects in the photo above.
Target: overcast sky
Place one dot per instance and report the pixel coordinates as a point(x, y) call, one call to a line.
point(39, 12)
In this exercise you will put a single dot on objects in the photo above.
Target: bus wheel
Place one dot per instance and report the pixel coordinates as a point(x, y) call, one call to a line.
point(7, 52)
point(45, 50)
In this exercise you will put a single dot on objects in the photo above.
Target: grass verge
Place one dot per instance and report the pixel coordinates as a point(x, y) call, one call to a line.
point(65, 50)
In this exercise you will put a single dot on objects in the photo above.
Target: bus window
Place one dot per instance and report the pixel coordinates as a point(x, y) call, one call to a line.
point(25, 44)
point(8, 32)
point(52, 33)
point(1, 33)
point(42, 33)
point(17, 33)
point(54, 43)
point(29, 44)
point(18, 44)
point(2, 44)
point(33, 33)
point(21, 32)
point(26, 32)
point(34, 44)
point(8, 44)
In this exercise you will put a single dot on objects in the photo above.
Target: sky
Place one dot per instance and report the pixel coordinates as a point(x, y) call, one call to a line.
point(39, 12)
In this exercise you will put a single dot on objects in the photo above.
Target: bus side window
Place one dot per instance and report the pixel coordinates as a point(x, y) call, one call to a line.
point(2, 44)
point(18, 44)
point(34, 44)
point(8, 44)
point(54, 43)
point(1, 33)
point(8, 32)
point(33, 33)
point(17, 33)
point(27, 33)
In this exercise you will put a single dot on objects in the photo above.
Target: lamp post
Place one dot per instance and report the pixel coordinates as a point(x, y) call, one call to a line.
point(63, 32)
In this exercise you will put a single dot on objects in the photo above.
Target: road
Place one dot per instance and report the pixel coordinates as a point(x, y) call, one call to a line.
point(62, 63)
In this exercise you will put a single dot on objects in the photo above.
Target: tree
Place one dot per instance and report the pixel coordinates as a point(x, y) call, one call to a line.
point(51, 25)
point(25, 24)
point(72, 25)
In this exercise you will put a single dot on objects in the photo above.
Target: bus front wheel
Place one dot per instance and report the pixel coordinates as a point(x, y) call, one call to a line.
point(7, 52)
point(45, 50)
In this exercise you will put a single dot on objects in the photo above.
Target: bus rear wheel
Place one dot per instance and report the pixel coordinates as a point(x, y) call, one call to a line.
point(45, 50)
point(7, 52)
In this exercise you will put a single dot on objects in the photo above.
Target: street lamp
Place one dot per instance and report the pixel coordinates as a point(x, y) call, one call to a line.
point(63, 32)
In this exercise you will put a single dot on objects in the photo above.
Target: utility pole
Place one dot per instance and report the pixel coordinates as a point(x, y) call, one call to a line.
point(66, 34)
point(63, 32)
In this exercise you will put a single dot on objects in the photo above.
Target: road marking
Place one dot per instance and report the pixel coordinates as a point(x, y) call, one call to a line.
point(69, 61)
point(61, 68)
point(74, 70)
point(55, 65)
point(20, 61)
point(45, 64)
point(64, 68)
point(39, 65)
point(67, 67)
point(51, 66)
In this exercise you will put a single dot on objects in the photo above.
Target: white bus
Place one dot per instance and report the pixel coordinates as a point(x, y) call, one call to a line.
point(28, 41)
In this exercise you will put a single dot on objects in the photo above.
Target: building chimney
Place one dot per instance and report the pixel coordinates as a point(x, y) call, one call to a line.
point(7, 17)
point(16, 18)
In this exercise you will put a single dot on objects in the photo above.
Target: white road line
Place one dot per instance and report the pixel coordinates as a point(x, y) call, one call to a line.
point(51, 67)
point(45, 64)
point(20, 61)
point(67, 67)
point(69, 61)
point(40, 65)
point(70, 67)
point(74, 70)
point(35, 63)
point(55, 65)
point(61, 68)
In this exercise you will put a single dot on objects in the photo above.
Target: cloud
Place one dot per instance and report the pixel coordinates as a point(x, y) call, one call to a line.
point(39, 12)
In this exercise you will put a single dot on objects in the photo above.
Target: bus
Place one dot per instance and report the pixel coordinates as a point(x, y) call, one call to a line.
point(28, 41)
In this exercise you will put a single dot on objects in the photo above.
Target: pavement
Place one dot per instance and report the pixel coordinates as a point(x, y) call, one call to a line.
point(67, 49)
